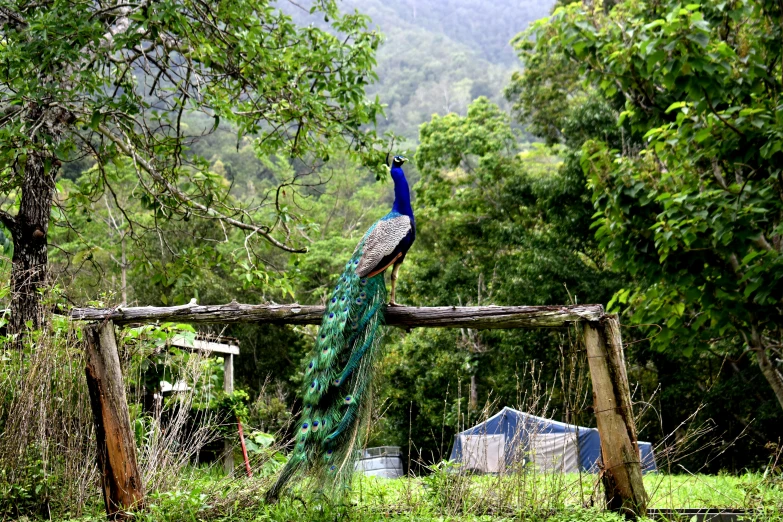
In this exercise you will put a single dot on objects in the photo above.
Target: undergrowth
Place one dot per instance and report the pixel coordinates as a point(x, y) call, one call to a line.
point(48, 472)
point(211, 496)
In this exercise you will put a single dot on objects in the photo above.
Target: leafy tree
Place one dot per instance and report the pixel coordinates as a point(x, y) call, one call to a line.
point(691, 202)
point(109, 80)
point(499, 222)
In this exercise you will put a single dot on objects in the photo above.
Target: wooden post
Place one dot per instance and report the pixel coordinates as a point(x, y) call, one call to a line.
point(228, 387)
point(228, 373)
point(122, 488)
point(622, 469)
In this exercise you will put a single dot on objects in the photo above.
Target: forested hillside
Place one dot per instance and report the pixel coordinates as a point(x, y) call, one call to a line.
point(620, 153)
point(439, 56)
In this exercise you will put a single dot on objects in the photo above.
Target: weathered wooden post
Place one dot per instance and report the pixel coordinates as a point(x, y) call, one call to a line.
point(122, 487)
point(228, 387)
point(622, 468)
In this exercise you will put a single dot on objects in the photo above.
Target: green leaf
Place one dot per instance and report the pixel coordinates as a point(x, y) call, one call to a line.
point(675, 105)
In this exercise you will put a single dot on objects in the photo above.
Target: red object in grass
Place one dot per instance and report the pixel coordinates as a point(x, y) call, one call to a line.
point(244, 449)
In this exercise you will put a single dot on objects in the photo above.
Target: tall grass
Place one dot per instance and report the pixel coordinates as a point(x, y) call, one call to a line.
point(47, 449)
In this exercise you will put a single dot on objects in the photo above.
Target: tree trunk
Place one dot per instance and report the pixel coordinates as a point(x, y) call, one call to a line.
point(124, 274)
point(29, 230)
point(473, 404)
point(773, 376)
point(771, 373)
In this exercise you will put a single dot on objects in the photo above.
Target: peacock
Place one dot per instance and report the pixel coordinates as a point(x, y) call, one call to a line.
point(340, 369)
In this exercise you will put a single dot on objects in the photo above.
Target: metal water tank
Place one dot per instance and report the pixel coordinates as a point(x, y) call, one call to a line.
point(383, 461)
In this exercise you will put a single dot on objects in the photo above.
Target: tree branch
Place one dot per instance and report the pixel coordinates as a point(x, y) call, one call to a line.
point(721, 118)
point(762, 243)
point(8, 220)
point(129, 150)
point(478, 317)
point(15, 18)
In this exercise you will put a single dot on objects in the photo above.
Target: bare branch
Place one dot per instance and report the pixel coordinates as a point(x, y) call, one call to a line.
point(129, 150)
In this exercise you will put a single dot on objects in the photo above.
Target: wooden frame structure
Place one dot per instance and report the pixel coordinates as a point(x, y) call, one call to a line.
point(216, 345)
point(621, 472)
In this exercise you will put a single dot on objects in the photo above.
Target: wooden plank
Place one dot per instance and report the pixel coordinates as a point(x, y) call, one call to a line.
point(181, 341)
point(477, 317)
point(228, 387)
point(121, 480)
point(228, 374)
point(622, 469)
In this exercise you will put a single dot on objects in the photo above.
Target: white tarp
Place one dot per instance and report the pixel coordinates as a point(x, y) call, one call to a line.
point(484, 452)
point(554, 451)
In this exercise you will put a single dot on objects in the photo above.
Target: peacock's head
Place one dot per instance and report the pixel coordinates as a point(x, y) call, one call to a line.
point(397, 161)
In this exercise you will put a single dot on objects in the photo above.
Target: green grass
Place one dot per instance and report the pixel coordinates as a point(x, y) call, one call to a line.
point(535, 497)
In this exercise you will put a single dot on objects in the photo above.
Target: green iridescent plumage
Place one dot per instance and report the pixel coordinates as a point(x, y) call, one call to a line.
point(337, 380)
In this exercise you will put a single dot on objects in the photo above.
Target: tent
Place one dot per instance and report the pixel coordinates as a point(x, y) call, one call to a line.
point(512, 439)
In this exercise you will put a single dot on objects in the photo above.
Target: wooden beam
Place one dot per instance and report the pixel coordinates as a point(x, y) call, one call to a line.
point(622, 467)
point(478, 317)
point(200, 345)
point(121, 480)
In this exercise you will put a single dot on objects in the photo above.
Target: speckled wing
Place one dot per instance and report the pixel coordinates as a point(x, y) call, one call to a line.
point(381, 242)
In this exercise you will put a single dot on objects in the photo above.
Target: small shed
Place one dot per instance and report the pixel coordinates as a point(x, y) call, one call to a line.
point(227, 347)
point(512, 439)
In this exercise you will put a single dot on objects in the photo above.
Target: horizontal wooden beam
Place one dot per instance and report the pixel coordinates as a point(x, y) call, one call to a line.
point(200, 345)
point(478, 317)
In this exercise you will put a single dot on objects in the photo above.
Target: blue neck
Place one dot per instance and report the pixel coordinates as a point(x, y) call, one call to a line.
point(402, 194)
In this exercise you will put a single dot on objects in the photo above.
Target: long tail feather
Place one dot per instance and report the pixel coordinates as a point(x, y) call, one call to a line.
point(337, 381)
